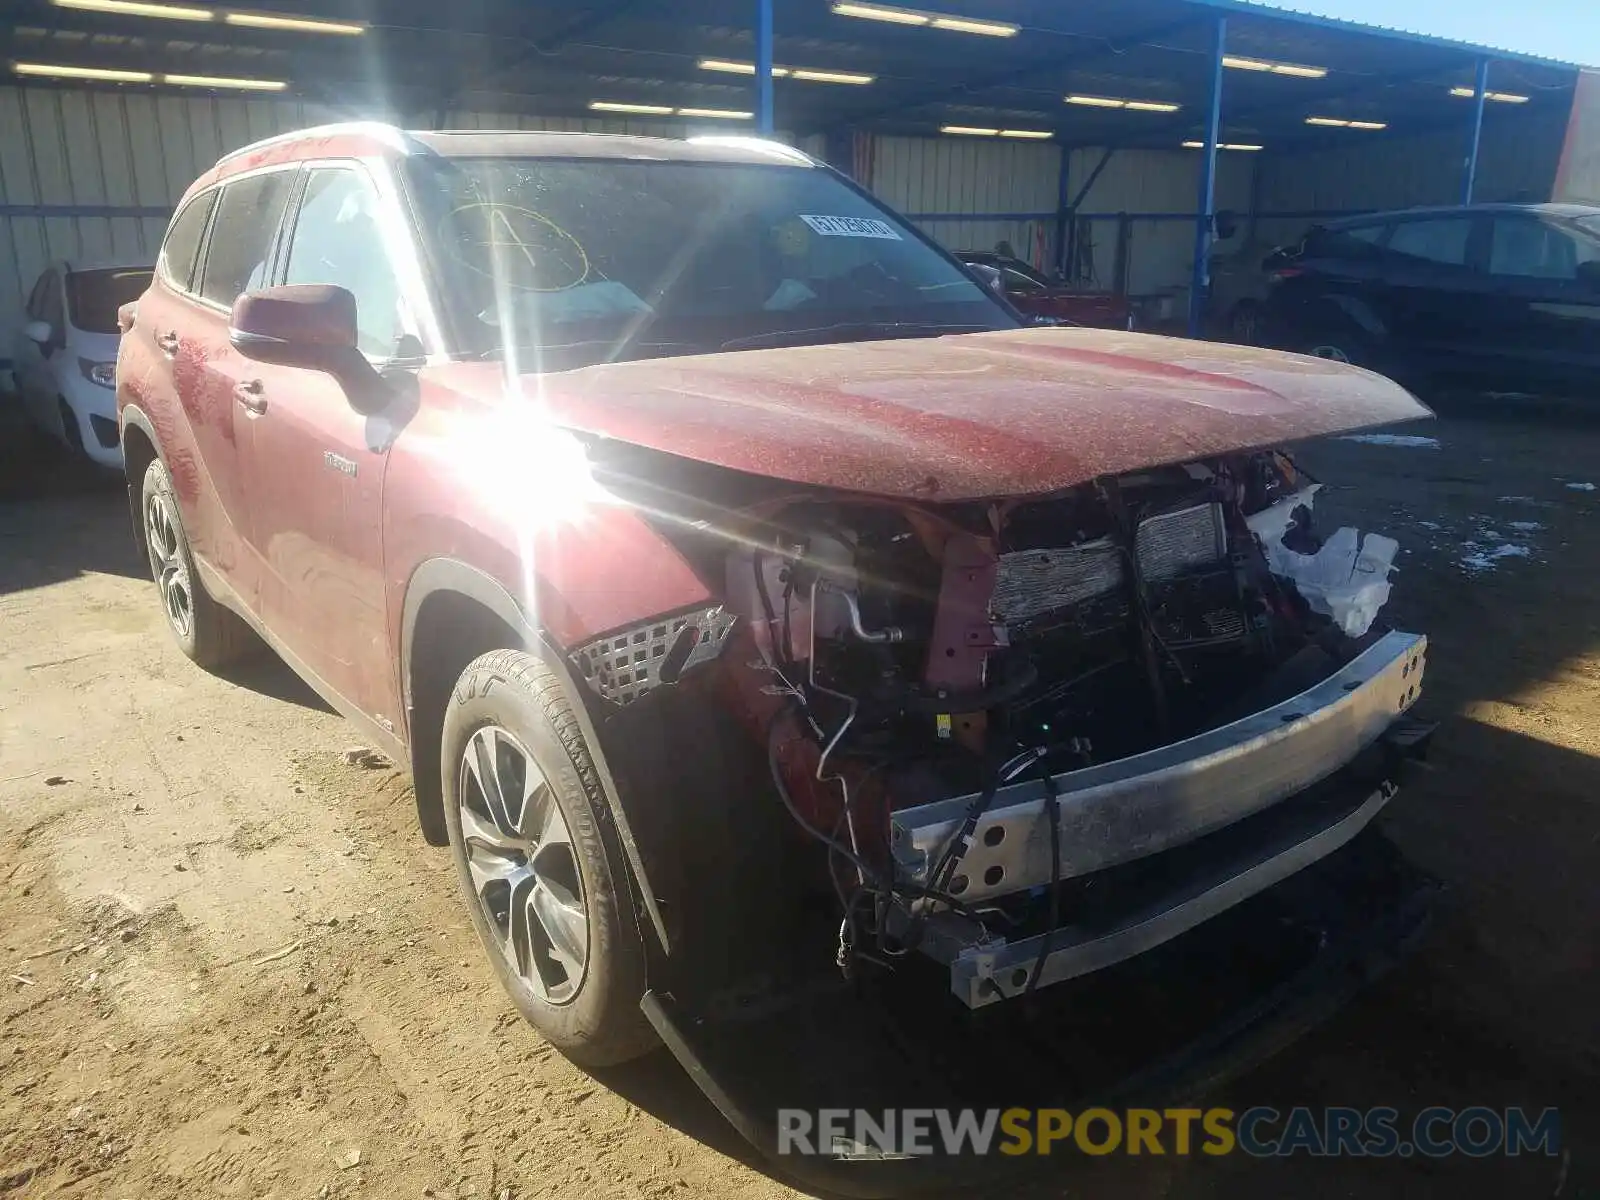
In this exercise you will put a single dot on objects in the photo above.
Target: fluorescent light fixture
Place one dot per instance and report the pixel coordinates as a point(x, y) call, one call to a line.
point(1096, 101)
point(872, 12)
point(225, 81)
point(647, 110)
point(814, 76)
point(1267, 66)
point(49, 71)
point(1343, 123)
point(135, 8)
point(910, 16)
point(723, 114)
point(260, 20)
point(733, 68)
point(968, 25)
point(1038, 135)
point(809, 74)
point(1223, 146)
point(1160, 106)
point(1502, 97)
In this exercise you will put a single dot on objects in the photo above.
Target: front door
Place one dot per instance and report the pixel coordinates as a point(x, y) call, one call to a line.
point(1437, 292)
point(1545, 280)
point(317, 466)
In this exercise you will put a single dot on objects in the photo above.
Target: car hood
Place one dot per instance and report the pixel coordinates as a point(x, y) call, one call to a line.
point(961, 417)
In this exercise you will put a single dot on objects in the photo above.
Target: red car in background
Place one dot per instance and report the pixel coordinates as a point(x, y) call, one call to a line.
point(1034, 294)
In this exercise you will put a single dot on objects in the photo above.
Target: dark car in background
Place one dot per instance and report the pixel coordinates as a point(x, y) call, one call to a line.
point(1502, 296)
point(1035, 294)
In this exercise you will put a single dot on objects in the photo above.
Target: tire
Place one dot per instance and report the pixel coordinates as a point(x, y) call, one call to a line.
point(207, 632)
point(528, 863)
point(1244, 324)
point(1339, 348)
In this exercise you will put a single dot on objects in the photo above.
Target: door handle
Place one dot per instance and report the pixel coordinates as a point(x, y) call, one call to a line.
point(249, 394)
point(168, 342)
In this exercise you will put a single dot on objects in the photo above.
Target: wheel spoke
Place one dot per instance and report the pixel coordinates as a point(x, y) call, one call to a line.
point(553, 828)
point(527, 883)
point(561, 917)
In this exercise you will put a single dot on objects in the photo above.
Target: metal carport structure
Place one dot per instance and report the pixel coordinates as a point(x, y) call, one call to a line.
point(1036, 103)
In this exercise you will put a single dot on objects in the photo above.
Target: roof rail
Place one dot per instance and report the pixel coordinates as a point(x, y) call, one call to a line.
point(392, 135)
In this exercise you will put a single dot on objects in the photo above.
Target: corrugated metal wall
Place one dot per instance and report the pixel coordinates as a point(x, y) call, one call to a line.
point(1516, 161)
point(970, 175)
point(955, 175)
point(1160, 252)
point(134, 150)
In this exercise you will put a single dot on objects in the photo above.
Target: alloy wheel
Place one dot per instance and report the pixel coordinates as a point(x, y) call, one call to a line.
point(167, 563)
point(524, 872)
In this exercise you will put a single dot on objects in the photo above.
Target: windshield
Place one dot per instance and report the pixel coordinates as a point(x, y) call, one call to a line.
point(628, 258)
point(93, 297)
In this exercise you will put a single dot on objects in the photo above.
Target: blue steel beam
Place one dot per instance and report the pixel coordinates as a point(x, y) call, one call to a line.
point(1208, 186)
point(764, 66)
point(1475, 138)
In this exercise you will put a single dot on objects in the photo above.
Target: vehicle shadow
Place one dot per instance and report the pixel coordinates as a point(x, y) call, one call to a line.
point(266, 673)
point(59, 515)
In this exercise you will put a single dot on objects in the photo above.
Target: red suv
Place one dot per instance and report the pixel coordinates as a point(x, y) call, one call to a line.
point(743, 588)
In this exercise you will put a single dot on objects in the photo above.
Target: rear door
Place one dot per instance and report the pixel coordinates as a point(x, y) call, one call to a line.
point(316, 465)
point(212, 377)
point(1545, 278)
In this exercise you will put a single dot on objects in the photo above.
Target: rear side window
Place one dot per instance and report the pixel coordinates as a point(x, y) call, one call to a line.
point(241, 236)
point(93, 297)
point(1442, 242)
point(1524, 248)
point(182, 244)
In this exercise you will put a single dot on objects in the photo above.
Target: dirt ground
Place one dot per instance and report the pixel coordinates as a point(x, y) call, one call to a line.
point(230, 967)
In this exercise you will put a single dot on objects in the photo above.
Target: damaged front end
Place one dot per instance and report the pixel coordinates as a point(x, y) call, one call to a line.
point(1037, 737)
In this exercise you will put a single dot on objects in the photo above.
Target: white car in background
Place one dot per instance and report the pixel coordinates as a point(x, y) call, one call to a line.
point(64, 357)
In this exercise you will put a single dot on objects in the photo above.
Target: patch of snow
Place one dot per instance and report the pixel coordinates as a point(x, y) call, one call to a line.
point(1430, 524)
point(1580, 487)
point(1526, 526)
point(1516, 500)
point(1393, 439)
point(1484, 560)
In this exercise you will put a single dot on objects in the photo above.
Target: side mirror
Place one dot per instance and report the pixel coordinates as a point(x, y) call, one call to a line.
point(39, 332)
point(988, 277)
point(1226, 223)
point(310, 325)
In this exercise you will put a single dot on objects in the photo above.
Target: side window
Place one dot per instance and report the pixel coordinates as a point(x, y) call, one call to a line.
point(337, 240)
point(1358, 242)
point(181, 246)
point(36, 309)
point(1016, 281)
point(1441, 242)
point(52, 310)
point(1525, 248)
point(241, 236)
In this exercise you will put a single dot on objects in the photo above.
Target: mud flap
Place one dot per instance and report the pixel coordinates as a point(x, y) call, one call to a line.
point(1165, 1028)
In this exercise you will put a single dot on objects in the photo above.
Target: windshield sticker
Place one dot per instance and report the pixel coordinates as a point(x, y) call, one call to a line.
point(861, 227)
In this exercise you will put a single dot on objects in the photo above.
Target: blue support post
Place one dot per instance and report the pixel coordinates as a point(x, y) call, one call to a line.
point(1206, 209)
point(764, 66)
point(1480, 96)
